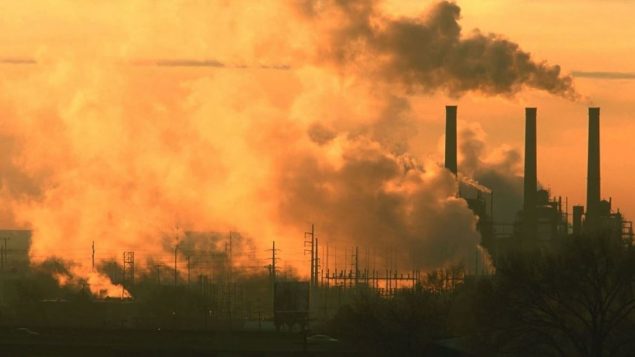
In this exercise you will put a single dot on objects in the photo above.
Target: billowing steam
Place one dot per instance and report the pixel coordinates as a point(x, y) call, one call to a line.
point(427, 53)
point(97, 150)
point(498, 169)
point(373, 198)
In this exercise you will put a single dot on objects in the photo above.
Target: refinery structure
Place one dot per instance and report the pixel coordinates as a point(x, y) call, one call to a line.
point(544, 220)
point(229, 293)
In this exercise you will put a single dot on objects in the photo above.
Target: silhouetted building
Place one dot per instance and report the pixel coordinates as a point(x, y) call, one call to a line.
point(599, 216)
point(541, 223)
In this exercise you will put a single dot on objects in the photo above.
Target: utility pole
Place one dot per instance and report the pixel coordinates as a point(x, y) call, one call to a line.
point(5, 259)
point(335, 263)
point(345, 263)
point(316, 261)
point(176, 247)
point(93, 257)
point(188, 271)
point(128, 271)
point(274, 264)
point(476, 261)
point(356, 265)
point(367, 265)
point(273, 261)
point(309, 239)
point(230, 257)
point(322, 268)
point(327, 265)
point(230, 294)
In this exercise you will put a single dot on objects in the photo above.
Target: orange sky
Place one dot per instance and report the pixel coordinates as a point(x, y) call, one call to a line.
point(100, 103)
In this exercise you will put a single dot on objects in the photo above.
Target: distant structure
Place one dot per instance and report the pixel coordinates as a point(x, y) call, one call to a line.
point(477, 203)
point(543, 220)
point(599, 217)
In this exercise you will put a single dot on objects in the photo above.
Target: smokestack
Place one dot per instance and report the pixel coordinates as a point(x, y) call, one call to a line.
point(530, 183)
point(530, 176)
point(593, 173)
point(450, 138)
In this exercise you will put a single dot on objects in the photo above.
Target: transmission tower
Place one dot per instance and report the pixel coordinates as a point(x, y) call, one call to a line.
point(128, 270)
point(309, 240)
point(273, 267)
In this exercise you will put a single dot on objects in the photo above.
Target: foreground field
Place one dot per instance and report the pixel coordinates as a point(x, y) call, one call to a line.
point(18, 341)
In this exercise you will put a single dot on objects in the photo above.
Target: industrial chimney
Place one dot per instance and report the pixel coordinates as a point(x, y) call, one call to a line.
point(593, 168)
point(531, 179)
point(450, 138)
point(530, 176)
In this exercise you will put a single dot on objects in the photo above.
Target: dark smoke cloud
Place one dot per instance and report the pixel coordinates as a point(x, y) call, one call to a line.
point(500, 176)
point(212, 249)
point(320, 134)
point(211, 253)
point(429, 53)
point(380, 201)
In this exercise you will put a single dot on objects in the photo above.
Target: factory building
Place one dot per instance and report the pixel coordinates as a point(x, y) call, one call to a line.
point(543, 221)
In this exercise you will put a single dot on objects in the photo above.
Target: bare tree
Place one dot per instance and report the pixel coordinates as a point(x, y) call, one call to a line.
point(578, 299)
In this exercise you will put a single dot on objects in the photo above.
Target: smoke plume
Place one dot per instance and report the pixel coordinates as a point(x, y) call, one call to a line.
point(427, 53)
point(372, 198)
point(98, 150)
point(498, 169)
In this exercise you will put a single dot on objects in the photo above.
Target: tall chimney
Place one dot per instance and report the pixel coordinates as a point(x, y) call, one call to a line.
point(593, 168)
point(450, 138)
point(530, 183)
point(530, 177)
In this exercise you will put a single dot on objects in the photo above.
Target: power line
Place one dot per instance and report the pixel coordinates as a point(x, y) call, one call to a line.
point(4, 255)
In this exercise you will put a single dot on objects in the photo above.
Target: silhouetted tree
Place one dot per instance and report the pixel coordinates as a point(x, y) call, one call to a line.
point(404, 325)
point(578, 299)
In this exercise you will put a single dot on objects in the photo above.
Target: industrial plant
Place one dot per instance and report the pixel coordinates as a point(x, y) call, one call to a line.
point(209, 291)
point(544, 221)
